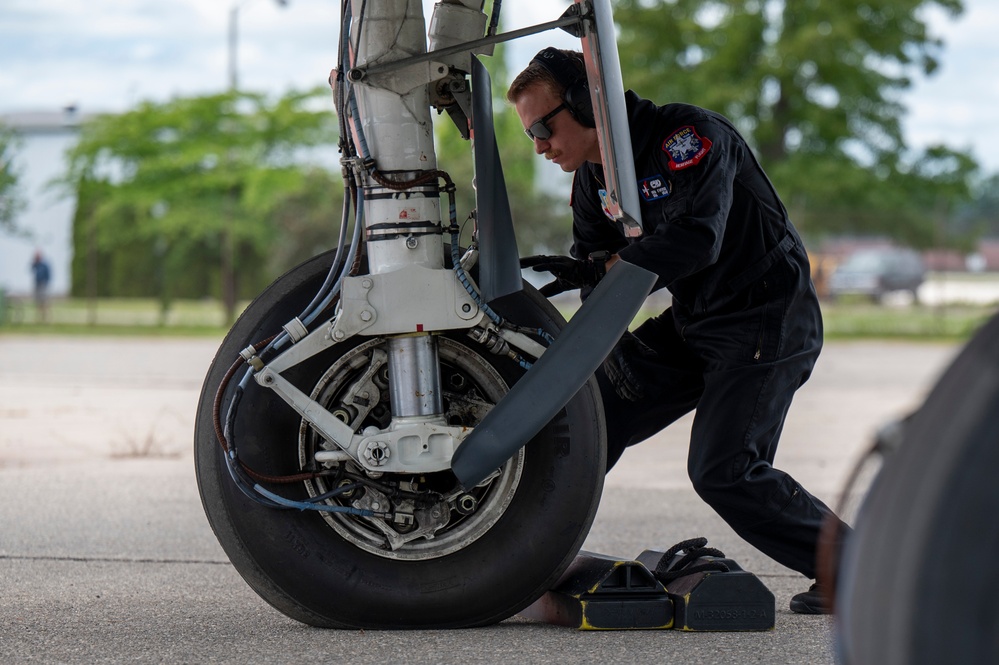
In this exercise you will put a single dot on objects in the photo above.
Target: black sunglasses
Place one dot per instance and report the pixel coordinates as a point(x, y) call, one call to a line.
point(540, 130)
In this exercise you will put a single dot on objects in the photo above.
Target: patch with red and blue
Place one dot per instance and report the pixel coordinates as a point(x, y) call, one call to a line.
point(606, 204)
point(685, 148)
point(656, 187)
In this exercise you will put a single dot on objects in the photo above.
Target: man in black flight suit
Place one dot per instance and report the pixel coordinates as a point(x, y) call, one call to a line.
point(744, 329)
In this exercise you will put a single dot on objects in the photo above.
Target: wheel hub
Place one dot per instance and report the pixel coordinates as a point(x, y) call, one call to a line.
point(432, 514)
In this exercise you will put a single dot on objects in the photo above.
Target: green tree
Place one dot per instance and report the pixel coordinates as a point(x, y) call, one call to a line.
point(175, 196)
point(981, 215)
point(11, 201)
point(815, 85)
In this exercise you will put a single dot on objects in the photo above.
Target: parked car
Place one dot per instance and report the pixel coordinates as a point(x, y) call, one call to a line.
point(876, 272)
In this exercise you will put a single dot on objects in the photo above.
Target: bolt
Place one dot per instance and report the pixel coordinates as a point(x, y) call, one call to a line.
point(366, 283)
point(466, 504)
point(338, 334)
point(466, 308)
point(412, 242)
point(376, 453)
point(366, 315)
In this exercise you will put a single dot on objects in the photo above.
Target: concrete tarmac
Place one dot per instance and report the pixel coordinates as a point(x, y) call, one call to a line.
point(106, 556)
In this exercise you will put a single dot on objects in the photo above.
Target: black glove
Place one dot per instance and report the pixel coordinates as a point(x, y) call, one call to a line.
point(569, 273)
point(627, 383)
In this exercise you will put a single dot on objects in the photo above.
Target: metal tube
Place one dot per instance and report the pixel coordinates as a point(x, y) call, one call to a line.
point(414, 376)
point(398, 132)
point(566, 21)
point(402, 227)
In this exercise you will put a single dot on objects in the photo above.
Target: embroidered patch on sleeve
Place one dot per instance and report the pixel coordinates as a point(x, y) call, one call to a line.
point(654, 188)
point(685, 148)
point(605, 203)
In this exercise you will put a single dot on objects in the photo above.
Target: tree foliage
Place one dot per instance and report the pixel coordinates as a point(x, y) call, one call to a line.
point(980, 217)
point(815, 86)
point(171, 195)
point(11, 200)
point(166, 191)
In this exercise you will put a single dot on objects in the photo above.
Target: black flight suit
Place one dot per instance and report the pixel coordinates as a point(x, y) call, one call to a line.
point(744, 329)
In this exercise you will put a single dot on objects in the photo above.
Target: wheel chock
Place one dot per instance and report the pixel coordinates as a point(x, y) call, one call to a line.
point(600, 592)
point(715, 595)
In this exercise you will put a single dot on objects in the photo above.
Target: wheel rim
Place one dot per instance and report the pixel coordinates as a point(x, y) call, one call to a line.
point(445, 517)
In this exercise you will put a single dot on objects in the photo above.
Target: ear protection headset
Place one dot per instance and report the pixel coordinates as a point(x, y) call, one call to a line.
point(576, 93)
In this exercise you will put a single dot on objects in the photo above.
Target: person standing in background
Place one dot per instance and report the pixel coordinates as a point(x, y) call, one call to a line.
point(42, 276)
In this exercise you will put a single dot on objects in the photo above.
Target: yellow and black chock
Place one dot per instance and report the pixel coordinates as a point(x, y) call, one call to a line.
point(688, 587)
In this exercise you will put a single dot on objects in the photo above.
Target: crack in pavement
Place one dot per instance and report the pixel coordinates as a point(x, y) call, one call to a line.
point(106, 559)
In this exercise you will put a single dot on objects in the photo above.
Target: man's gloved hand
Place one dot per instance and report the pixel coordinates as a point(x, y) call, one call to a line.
point(627, 383)
point(569, 273)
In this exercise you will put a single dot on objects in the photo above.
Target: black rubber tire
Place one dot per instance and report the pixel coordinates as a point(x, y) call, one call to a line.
point(301, 566)
point(918, 581)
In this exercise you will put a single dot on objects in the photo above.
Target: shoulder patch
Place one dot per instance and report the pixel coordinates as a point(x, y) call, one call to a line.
point(605, 203)
point(685, 148)
point(656, 187)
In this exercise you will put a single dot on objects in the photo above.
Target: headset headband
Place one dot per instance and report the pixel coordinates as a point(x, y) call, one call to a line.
point(559, 66)
point(575, 87)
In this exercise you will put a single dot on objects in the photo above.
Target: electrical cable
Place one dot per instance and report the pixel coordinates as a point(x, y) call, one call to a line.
point(494, 17)
point(463, 278)
point(323, 507)
point(355, 243)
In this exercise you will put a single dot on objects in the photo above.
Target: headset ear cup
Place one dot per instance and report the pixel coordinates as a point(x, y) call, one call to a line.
point(577, 100)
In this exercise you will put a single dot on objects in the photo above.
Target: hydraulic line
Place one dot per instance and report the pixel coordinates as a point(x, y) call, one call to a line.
point(355, 242)
point(322, 507)
point(494, 17)
point(463, 278)
point(319, 303)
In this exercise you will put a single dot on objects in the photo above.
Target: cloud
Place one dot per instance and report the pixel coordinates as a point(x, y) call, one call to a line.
point(956, 106)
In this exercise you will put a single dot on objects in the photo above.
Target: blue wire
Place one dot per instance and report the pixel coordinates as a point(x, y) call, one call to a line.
point(322, 507)
point(351, 255)
point(465, 282)
point(463, 278)
point(243, 484)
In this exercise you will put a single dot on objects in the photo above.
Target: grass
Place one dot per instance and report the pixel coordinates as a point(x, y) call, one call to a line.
point(116, 316)
point(862, 320)
point(951, 322)
point(205, 318)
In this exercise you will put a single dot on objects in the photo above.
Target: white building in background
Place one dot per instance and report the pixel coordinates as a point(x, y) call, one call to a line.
point(47, 218)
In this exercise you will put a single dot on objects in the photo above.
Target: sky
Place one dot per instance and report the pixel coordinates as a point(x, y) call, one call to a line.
point(108, 55)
